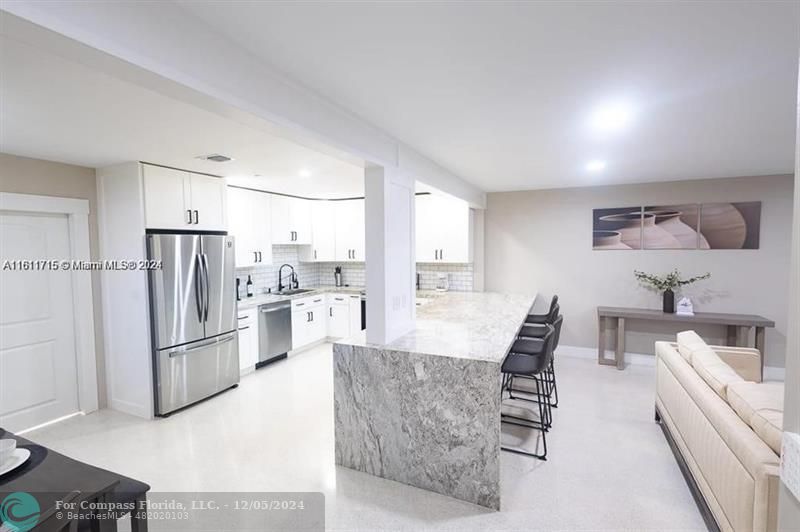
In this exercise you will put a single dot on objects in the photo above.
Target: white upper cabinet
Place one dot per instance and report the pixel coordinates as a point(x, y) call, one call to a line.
point(250, 223)
point(176, 199)
point(323, 233)
point(291, 220)
point(166, 194)
point(350, 229)
point(426, 243)
point(208, 202)
point(443, 229)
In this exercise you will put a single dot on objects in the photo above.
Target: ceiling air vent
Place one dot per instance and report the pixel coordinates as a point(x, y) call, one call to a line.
point(216, 157)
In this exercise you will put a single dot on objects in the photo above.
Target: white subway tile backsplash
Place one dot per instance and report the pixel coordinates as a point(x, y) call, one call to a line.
point(353, 274)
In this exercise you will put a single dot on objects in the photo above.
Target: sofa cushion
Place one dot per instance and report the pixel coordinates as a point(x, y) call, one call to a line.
point(717, 374)
point(768, 424)
point(760, 405)
point(747, 398)
point(688, 341)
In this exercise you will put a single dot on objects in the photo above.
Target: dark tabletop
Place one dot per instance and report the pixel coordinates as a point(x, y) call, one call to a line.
point(51, 477)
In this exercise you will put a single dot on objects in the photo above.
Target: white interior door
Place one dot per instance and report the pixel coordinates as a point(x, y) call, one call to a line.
point(38, 366)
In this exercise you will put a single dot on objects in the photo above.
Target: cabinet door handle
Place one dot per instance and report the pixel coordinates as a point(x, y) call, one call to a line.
point(312, 315)
point(330, 311)
point(441, 254)
point(260, 257)
point(435, 254)
point(315, 254)
point(196, 217)
point(189, 216)
point(255, 256)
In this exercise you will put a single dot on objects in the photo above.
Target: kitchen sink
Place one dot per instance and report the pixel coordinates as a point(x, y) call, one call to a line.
point(294, 291)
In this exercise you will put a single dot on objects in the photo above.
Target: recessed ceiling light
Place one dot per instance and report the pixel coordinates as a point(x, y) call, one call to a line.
point(595, 166)
point(611, 117)
point(305, 172)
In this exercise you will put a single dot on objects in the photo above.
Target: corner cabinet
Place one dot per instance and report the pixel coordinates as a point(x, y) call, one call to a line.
point(350, 230)
point(291, 220)
point(249, 222)
point(323, 234)
point(444, 229)
point(177, 199)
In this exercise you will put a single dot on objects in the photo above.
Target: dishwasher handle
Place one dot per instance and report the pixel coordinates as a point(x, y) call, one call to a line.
point(272, 308)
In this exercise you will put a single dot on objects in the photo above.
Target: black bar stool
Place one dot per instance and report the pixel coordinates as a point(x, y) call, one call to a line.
point(531, 342)
point(545, 318)
point(531, 367)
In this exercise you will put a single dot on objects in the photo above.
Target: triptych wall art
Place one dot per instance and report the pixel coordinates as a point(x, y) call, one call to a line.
point(690, 226)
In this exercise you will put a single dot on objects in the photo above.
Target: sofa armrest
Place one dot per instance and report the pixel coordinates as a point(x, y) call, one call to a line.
point(745, 361)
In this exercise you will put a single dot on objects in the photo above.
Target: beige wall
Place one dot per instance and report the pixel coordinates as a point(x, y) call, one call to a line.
point(789, 509)
point(542, 241)
point(34, 176)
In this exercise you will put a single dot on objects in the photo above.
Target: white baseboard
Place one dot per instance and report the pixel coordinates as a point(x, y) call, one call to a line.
point(48, 423)
point(133, 409)
point(590, 353)
point(771, 373)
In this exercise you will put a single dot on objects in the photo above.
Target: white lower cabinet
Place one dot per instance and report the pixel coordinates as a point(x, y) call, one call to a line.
point(309, 322)
point(355, 314)
point(338, 316)
point(333, 316)
point(248, 339)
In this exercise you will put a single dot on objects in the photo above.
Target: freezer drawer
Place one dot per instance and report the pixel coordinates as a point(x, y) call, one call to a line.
point(192, 372)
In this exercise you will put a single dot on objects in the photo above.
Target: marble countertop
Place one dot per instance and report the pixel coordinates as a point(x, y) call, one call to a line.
point(265, 299)
point(469, 325)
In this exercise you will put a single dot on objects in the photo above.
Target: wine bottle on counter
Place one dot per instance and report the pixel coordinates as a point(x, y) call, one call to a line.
point(249, 287)
point(238, 289)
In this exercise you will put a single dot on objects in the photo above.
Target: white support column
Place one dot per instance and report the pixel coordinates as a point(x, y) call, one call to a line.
point(390, 261)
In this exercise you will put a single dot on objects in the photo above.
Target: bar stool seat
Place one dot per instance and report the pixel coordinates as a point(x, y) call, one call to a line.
point(520, 364)
point(528, 346)
point(533, 331)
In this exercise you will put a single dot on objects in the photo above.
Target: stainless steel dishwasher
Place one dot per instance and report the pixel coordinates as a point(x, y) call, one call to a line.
point(274, 332)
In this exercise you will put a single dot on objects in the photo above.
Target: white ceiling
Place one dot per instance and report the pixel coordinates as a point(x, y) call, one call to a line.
point(56, 109)
point(500, 92)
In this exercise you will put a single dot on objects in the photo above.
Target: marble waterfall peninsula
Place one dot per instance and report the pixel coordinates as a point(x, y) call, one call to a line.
point(424, 409)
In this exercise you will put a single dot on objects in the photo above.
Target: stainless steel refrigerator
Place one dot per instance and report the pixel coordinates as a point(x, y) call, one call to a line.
point(193, 318)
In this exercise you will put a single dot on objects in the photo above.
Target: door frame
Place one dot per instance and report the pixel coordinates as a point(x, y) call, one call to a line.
point(77, 212)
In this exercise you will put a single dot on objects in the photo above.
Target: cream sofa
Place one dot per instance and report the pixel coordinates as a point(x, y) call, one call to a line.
point(725, 428)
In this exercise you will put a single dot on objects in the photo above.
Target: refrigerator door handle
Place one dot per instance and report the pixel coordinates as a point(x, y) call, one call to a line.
point(199, 298)
point(184, 350)
point(207, 288)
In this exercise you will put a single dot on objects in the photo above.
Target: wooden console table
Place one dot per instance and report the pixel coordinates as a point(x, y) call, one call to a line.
point(735, 323)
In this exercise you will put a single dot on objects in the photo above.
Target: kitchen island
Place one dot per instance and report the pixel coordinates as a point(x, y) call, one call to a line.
point(425, 409)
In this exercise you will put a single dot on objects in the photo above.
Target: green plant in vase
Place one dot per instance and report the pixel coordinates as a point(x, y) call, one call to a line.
point(666, 284)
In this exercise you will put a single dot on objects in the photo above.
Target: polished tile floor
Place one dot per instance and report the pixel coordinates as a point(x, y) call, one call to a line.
point(609, 466)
